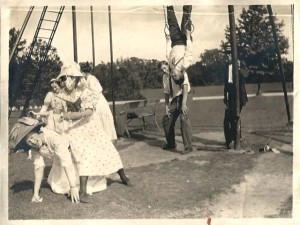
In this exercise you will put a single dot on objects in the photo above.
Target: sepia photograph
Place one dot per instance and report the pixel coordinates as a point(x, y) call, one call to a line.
point(140, 112)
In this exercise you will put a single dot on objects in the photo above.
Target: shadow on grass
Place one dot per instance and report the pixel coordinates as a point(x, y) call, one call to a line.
point(25, 185)
point(112, 181)
point(152, 141)
point(22, 186)
point(280, 136)
point(208, 141)
point(209, 145)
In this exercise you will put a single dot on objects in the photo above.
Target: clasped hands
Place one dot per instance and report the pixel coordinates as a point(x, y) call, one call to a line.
point(71, 116)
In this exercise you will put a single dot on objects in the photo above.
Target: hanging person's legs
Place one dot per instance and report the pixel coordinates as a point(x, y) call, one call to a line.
point(176, 35)
point(186, 23)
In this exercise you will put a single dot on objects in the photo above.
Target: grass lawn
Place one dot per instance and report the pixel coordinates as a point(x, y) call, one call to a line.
point(183, 188)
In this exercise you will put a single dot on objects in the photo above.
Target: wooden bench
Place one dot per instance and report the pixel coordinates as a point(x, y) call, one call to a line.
point(140, 110)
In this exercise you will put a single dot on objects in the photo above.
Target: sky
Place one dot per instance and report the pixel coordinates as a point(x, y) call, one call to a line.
point(137, 31)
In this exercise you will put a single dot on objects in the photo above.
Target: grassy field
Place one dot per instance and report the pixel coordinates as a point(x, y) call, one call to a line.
point(176, 188)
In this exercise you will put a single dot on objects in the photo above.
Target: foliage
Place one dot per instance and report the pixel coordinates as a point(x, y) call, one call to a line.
point(49, 68)
point(23, 68)
point(209, 70)
point(130, 76)
point(17, 60)
point(255, 41)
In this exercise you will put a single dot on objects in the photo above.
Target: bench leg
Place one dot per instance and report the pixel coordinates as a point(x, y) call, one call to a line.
point(156, 123)
point(144, 123)
point(127, 132)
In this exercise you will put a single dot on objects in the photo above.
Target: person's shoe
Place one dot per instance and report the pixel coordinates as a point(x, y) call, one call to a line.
point(84, 198)
point(186, 151)
point(168, 147)
point(227, 145)
point(127, 182)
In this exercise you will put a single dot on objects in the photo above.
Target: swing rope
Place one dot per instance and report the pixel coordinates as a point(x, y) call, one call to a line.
point(192, 26)
point(166, 29)
point(292, 22)
point(167, 25)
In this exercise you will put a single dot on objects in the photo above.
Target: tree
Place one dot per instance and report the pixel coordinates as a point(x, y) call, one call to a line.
point(256, 43)
point(17, 60)
point(24, 67)
point(49, 67)
point(209, 71)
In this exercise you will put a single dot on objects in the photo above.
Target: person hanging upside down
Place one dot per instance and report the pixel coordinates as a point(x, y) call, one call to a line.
point(179, 43)
point(175, 79)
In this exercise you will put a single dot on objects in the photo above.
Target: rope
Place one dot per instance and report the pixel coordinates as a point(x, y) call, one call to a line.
point(292, 17)
point(192, 26)
point(166, 23)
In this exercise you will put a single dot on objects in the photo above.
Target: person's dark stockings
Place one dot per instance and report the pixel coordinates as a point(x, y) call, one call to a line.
point(125, 180)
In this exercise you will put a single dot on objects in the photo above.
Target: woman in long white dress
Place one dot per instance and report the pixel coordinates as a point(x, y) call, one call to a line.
point(102, 113)
point(92, 148)
point(53, 110)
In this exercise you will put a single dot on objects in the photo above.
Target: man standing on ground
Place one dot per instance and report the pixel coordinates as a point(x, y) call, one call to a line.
point(230, 120)
point(175, 79)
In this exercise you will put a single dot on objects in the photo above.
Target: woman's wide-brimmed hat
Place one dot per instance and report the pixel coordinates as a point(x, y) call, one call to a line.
point(71, 69)
point(24, 126)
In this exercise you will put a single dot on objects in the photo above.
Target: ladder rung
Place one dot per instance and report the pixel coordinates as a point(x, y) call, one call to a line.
point(45, 29)
point(51, 11)
point(43, 37)
point(49, 20)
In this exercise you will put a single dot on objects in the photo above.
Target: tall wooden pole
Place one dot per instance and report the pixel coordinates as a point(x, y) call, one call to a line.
point(74, 34)
point(279, 62)
point(21, 32)
point(235, 74)
point(111, 67)
point(93, 39)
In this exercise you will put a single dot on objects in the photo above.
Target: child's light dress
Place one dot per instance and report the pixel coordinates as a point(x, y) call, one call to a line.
point(103, 114)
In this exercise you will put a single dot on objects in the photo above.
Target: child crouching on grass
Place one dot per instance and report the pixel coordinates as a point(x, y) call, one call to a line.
point(44, 143)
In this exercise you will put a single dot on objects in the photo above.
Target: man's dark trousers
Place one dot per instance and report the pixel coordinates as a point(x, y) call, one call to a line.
point(169, 122)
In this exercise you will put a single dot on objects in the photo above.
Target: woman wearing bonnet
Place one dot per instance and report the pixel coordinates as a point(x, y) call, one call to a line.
point(92, 148)
point(103, 113)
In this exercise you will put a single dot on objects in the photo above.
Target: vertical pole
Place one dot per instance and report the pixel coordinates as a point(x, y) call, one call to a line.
point(235, 74)
point(93, 40)
point(111, 67)
point(279, 62)
point(21, 32)
point(18, 79)
point(292, 14)
point(74, 34)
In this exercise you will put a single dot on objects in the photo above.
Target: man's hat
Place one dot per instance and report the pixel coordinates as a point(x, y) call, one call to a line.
point(24, 126)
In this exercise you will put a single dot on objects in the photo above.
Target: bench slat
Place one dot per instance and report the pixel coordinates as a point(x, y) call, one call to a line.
point(142, 109)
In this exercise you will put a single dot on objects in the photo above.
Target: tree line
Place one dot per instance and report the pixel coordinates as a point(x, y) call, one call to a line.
point(130, 75)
